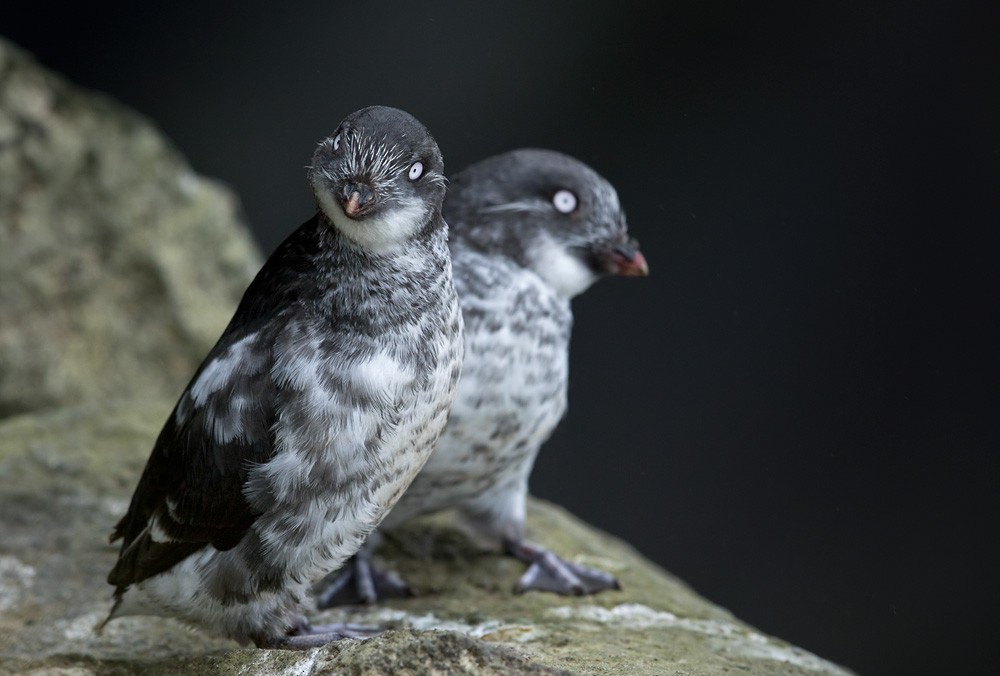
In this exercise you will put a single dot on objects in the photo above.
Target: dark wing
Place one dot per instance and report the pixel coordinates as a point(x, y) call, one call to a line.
point(191, 491)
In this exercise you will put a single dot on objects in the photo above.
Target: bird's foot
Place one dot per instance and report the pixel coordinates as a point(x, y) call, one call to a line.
point(307, 636)
point(548, 572)
point(360, 581)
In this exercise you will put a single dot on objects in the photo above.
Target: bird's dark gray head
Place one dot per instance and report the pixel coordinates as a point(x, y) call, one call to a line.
point(379, 178)
point(547, 211)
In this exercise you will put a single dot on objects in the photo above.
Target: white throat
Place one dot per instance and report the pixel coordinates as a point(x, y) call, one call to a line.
point(382, 234)
point(566, 273)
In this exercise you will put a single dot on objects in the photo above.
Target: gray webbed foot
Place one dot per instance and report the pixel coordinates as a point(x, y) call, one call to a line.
point(548, 572)
point(360, 581)
point(307, 636)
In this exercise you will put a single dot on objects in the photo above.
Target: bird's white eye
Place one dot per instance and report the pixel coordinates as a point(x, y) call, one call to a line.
point(416, 170)
point(336, 142)
point(564, 201)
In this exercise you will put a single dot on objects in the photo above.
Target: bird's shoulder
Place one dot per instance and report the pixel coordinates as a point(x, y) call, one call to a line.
point(496, 290)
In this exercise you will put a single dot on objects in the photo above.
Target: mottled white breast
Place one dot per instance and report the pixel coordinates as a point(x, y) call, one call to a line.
point(511, 396)
point(369, 428)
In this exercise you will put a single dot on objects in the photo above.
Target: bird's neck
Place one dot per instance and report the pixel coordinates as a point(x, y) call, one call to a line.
point(390, 286)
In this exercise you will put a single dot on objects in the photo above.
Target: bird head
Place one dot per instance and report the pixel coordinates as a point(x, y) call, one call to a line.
point(547, 211)
point(379, 178)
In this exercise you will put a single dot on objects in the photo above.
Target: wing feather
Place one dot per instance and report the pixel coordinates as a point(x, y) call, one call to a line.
point(190, 494)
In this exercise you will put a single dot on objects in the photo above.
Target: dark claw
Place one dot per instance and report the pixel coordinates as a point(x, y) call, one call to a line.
point(547, 572)
point(360, 581)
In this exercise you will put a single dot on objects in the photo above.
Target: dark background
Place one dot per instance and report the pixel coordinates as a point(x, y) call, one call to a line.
point(794, 413)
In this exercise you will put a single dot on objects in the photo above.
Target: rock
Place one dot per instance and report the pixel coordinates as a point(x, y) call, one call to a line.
point(119, 266)
point(67, 476)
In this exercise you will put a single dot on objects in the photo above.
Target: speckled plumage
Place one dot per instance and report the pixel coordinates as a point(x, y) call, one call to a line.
point(518, 260)
point(317, 407)
point(512, 395)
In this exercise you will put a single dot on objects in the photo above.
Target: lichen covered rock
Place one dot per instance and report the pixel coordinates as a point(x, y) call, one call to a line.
point(119, 266)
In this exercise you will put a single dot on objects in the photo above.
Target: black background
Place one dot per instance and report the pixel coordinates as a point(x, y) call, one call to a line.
point(794, 412)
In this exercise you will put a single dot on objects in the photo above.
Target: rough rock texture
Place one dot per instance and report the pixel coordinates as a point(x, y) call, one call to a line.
point(118, 265)
point(67, 475)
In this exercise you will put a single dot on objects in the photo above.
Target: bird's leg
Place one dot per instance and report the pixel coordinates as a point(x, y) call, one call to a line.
point(547, 572)
point(360, 581)
point(306, 636)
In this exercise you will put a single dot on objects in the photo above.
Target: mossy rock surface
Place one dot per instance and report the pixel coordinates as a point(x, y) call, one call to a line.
point(119, 266)
point(67, 475)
